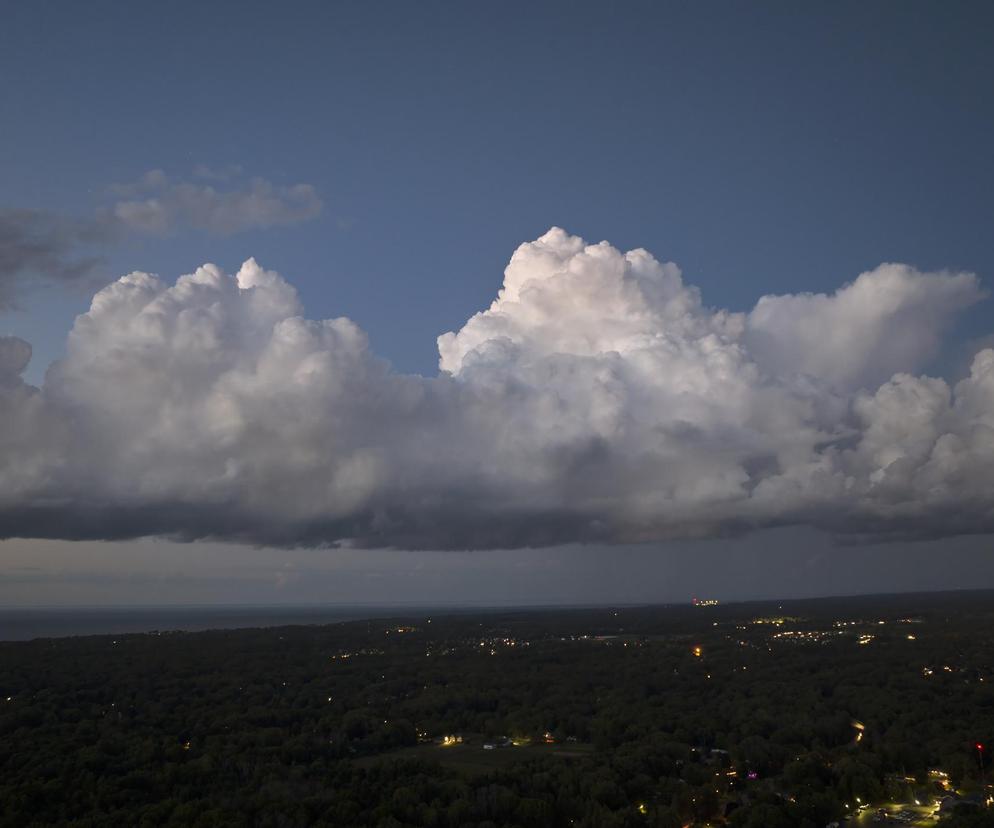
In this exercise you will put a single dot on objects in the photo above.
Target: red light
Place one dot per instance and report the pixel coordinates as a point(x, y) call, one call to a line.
point(980, 746)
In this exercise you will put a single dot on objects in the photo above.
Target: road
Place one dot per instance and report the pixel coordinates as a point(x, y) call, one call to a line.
point(920, 816)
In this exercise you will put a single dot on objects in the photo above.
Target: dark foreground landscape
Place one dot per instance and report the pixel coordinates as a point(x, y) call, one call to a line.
point(867, 710)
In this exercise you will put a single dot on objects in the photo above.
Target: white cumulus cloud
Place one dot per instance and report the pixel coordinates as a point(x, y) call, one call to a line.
point(597, 399)
point(890, 319)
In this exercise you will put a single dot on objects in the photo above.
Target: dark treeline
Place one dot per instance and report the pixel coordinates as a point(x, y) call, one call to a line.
point(750, 715)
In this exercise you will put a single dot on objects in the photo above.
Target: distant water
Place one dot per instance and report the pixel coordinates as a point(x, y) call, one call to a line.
point(22, 624)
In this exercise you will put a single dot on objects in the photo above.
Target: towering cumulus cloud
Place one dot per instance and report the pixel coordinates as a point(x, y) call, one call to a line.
point(597, 399)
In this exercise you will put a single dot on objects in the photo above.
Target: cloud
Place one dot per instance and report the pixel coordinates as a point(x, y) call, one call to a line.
point(157, 205)
point(893, 312)
point(45, 247)
point(15, 354)
point(39, 244)
point(597, 400)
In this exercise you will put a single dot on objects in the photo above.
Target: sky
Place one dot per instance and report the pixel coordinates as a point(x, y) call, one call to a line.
point(626, 421)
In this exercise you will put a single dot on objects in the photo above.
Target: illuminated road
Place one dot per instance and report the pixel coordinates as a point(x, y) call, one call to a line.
point(923, 815)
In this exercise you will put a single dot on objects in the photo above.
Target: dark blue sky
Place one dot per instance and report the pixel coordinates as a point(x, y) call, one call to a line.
point(773, 147)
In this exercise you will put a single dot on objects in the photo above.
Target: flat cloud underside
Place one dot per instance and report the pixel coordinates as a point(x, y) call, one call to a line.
point(596, 400)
